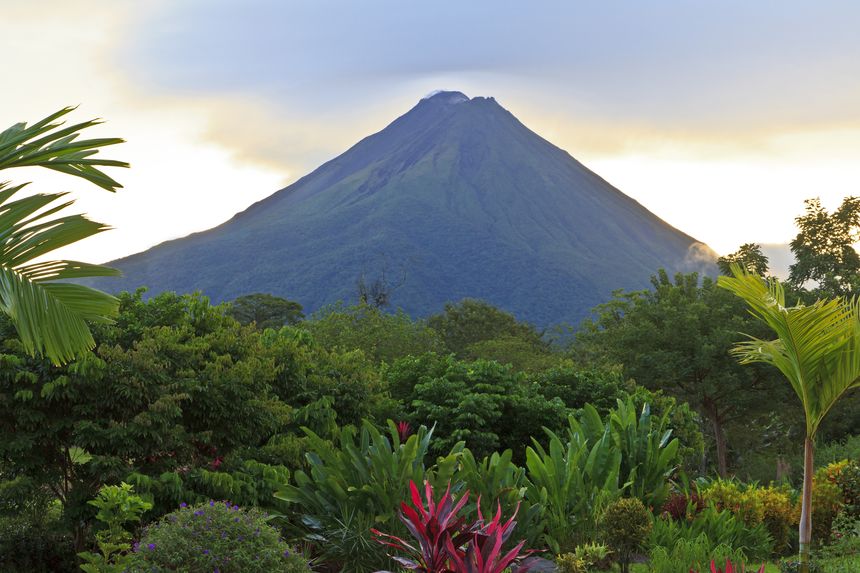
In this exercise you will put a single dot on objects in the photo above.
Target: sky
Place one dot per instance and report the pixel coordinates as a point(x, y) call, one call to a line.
point(719, 117)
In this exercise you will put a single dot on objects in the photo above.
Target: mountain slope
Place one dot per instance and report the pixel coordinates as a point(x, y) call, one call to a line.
point(459, 198)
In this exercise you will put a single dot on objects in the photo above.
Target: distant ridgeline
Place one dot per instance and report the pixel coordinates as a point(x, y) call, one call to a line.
point(454, 199)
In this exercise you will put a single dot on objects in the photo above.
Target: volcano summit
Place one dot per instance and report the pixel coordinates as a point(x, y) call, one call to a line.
point(456, 199)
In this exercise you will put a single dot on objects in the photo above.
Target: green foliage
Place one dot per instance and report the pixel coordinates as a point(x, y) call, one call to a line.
point(179, 400)
point(649, 454)
point(691, 555)
point(497, 482)
point(35, 543)
point(845, 449)
point(848, 481)
point(117, 506)
point(675, 337)
point(466, 327)
point(266, 311)
point(381, 336)
point(50, 314)
point(625, 525)
point(596, 556)
point(357, 482)
point(576, 386)
point(215, 536)
point(484, 404)
point(749, 256)
point(845, 537)
point(320, 381)
point(824, 248)
point(570, 563)
point(717, 527)
point(573, 480)
point(773, 507)
point(795, 566)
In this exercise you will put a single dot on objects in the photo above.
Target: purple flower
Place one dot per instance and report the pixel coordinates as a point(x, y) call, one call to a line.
point(151, 546)
point(205, 552)
point(286, 552)
point(235, 508)
point(198, 512)
point(183, 504)
point(136, 546)
point(211, 504)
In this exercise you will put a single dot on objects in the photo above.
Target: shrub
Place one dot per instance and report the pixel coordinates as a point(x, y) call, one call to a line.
point(716, 527)
point(625, 525)
point(847, 449)
point(117, 505)
point(845, 536)
point(687, 555)
point(826, 502)
point(770, 506)
point(570, 563)
point(215, 536)
point(34, 545)
point(682, 506)
point(848, 482)
point(596, 556)
point(793, 566)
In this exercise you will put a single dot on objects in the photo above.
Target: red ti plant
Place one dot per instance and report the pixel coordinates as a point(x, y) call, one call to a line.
point(484, 552)
point(729, 568)
point(432, 527)
point(446, 544)
point(404, 430)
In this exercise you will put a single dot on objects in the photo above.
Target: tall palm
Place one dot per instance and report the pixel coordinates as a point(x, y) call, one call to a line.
point(818, 351)
point(50, 315)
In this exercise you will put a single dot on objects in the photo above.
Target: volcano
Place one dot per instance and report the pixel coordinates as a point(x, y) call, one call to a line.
point(454, 199)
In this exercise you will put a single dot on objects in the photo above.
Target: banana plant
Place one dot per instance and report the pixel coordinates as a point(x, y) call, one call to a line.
point(571, 481)
point(649, 455)
point(497, 480)
point(50, 314)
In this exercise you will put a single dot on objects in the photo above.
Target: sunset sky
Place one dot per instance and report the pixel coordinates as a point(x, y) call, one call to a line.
point(721, 118)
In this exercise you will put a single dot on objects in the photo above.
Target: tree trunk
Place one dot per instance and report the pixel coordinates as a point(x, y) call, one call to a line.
point(719, 437)
point(806, 505)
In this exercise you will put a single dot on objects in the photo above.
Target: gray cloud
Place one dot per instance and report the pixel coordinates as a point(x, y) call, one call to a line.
point(681, 62)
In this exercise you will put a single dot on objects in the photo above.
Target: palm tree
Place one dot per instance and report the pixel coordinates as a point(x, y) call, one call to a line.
point(818, 351)
point(50, 314)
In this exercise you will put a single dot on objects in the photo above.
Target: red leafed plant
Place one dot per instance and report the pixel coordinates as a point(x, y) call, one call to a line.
point(484, 553)
point(431, 527)
point(446, 544)
point(729, 568)
point(404, 430)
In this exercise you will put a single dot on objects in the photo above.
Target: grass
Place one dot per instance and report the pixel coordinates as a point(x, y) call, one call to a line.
point(835, 565)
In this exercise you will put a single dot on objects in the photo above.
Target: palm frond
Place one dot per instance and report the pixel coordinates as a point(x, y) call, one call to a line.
point(817, 347)
point(51, 317)
point(47, 144)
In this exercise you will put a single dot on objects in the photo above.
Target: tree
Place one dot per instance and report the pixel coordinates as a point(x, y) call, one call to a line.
point(824, 248)
point(471, 322)
point(676, 337)
point(381, 336)
point(486, 404)
point(749, 256)
point(817, 349)
point(49, 313)
point(266, 311)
